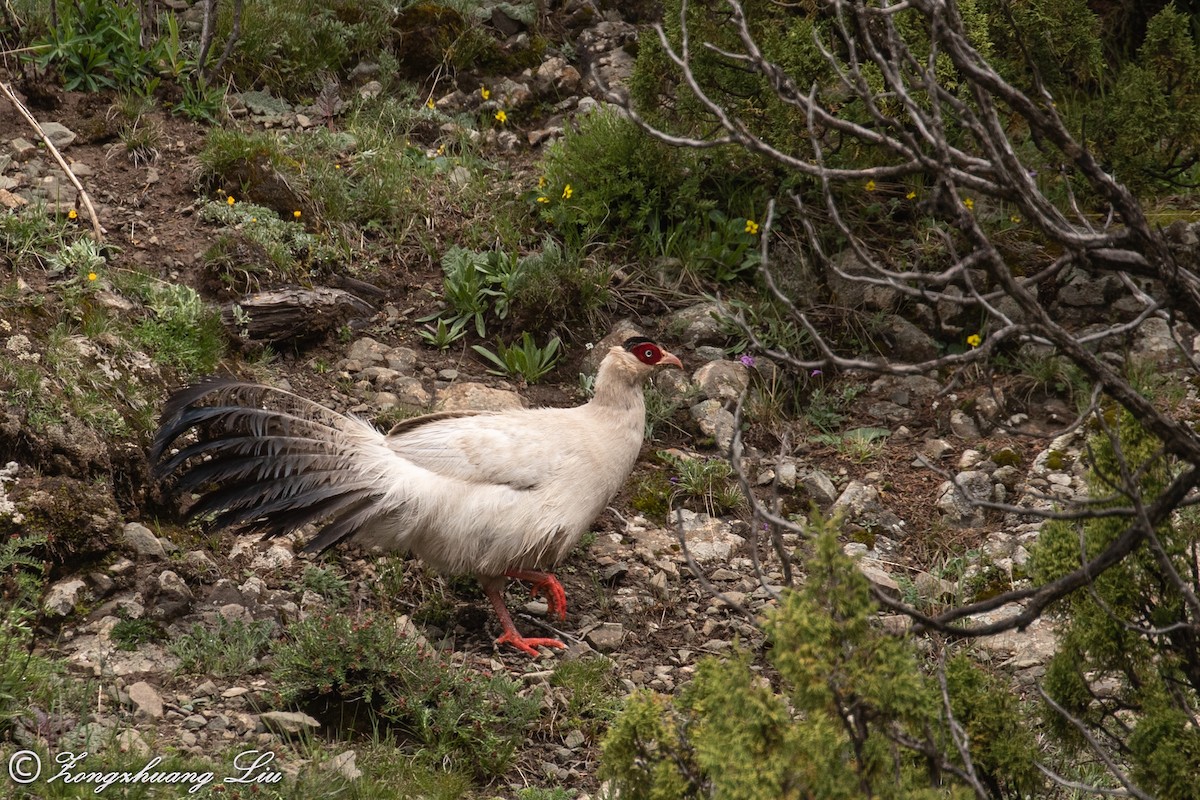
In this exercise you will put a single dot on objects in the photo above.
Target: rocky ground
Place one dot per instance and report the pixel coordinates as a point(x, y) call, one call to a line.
point(633, 597)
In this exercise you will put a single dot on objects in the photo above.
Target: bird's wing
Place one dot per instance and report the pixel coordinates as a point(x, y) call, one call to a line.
point(521, 449)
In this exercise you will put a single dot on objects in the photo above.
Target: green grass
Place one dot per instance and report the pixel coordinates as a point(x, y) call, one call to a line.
point(129, 634)
point(232, 648)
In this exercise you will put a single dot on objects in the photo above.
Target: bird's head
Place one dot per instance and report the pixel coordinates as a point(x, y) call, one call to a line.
point(627, 366)
point(648, 354)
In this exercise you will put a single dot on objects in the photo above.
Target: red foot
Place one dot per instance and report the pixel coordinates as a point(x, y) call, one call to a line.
point(556, 598)
point(528, 645)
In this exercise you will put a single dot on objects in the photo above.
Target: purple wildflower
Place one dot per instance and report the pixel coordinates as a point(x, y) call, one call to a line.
point(747, 360)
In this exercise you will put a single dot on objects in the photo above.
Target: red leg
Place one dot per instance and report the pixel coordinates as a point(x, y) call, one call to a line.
point(556, 598)
point(511, 635)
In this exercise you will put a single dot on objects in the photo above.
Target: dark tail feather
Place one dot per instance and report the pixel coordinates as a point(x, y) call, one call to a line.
point(269, 469)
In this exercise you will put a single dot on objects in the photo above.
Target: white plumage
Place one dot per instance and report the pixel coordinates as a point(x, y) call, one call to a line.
point(495, 494)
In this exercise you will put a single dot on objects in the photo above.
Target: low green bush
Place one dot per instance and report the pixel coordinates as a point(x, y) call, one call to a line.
point(474, 723)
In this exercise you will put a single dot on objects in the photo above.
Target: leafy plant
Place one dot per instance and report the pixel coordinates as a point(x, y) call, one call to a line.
point(97, 45)
point(705, 479)
point(455, 716)
point(526, 360)
point(233, 647)
point(184, 332)
point(444, 333)
point(326, 583)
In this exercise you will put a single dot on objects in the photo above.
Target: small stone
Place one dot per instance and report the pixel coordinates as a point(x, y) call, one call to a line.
point(131, 741)
point(607, 636)
point(63, 596)
point(173, 587)
point(147, 702)
point(288, 722)
point(194, 722)
point(143, 542)
point(962, 426)
point(878, 576)
point(22, 149)
point(59, 135)
point(574, 740)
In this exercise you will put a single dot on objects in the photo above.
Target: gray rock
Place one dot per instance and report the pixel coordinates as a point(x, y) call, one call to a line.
point(367, 351)
point(722, 380)
point(130, 741)
point(63, 596)
point(909, 343)
point(274, 557)
point(820, 488)
point(716, 421)
point(402, 359)
point(142, 541)
point(709, 539)
point(878, 576)
point(936, 449)
point(697, 325)
point(606, 637)
point(288, 722)
point(957, 506)
point(147, 702)
point(172, 587)
point(411, 392)
point(850, 290)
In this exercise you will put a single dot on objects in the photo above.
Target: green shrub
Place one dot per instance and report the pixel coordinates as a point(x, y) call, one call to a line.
point(828, 727)
point(1128, 629)
point(609, 178)
point(457, 717)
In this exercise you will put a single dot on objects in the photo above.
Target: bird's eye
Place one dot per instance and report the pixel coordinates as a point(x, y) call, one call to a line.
point(648, 353)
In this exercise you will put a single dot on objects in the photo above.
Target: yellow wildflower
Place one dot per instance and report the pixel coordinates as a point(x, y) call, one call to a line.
point(441, 151)
point(969, 203)
point(911, 195)
point(72, 214)
point(567, 192)
point(974, 340)
point(543, 199)
point(296, 213)
point(337, 166)
point(751, 227)
point(1015, 219)
point(484, 93)
point(230, 200)
point(92, 276)
point(870, 187)
point(541, 181)
point(501, 117)
point(429, 103)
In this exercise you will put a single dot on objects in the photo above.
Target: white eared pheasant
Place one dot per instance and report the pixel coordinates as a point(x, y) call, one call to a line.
point(503, 494)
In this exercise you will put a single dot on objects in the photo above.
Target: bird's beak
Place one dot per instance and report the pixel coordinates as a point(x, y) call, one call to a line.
point(669, 359)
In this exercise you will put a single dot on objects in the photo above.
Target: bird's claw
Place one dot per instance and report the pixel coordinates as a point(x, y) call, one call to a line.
point(556, 597)
point(528, 646)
